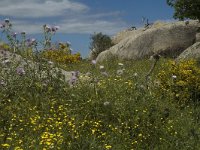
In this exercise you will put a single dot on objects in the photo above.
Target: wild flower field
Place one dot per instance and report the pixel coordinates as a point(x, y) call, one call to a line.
point(108, 106)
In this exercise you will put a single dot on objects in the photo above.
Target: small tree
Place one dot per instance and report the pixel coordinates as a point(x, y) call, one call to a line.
point(185, 9)
point(99, 43)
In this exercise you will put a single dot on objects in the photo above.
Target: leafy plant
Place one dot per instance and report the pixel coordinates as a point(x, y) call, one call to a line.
point(62, 54)
point(185, 9)
point(181, 81)
point(99, 43)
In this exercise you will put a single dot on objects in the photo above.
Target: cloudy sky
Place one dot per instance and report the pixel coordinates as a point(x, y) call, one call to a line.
point(78, 19)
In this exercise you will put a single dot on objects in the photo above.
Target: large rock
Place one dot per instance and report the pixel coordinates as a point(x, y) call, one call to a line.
point(198, 37)
point(168, 39)
point(124, 34)
point(131, 31)
point(193, 52)
point(18, 59)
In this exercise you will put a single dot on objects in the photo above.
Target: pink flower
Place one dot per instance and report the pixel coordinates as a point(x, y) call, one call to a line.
point(94, 62)
point(20, 71)
point(55, 28)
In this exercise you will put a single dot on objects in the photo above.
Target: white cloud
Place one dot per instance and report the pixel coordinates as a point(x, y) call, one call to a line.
point(35, 8)
point(72, 26)
point(71, 16)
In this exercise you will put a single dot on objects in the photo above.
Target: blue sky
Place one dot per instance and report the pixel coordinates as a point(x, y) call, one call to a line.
point(79, 19)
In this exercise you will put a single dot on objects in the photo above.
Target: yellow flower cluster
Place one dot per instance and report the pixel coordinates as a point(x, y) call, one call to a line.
point(181, 80)
point(62, 55)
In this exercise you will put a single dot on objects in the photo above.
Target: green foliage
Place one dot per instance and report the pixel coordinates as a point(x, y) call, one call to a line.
point(181, 81)
point(185, 9)
point(40, 110)
point(108, 107)
point(100, 42)
point(61, 54)
point(4, 46)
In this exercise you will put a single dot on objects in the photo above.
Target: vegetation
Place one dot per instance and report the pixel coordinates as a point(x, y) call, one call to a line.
point(185, 9)
point(107, 106)
point(100, 42)
point(62, 54)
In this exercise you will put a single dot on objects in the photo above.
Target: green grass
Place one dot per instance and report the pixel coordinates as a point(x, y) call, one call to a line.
point(99, 112)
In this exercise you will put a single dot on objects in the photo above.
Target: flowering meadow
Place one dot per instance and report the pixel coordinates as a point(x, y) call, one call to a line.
point(107, 106)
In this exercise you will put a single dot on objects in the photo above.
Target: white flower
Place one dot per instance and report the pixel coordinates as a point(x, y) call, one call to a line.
point(174, 76)
point(7, 61)
point(106, 103)
point(68, 43)
point(104, 73)
point(2, 83)
point(120, 64)
point(151, 58)
point(135, 74)
point(50, 62)
point(101, 67)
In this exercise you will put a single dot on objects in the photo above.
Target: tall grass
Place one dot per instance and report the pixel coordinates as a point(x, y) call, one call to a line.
point(98, 112)
point(105, 106)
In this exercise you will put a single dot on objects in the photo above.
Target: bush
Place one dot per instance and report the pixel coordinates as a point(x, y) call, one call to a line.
point(62, 55)
point(185, 9)
point(99, 43)
point(181, 80)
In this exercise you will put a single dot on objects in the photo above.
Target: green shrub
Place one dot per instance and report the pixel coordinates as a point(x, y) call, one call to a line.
point(100, 42)
point(181, 80)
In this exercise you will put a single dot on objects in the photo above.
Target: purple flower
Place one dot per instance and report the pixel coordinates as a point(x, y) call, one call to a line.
point(94, 62)
point(73, 80)
point(31, 42)
point(7, 20)
point(54, 28)
point(2, 25)
point(14, 34)
point(20, 71)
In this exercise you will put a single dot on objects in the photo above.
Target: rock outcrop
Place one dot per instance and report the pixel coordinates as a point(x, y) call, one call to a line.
point(168, 39)
point(198, 37)
point(193, 52)
point(7, 56)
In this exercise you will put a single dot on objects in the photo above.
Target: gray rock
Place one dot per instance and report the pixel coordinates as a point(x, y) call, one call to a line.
point(15, 58)
point(198, 37)
point(168, 39)
point(193, 52)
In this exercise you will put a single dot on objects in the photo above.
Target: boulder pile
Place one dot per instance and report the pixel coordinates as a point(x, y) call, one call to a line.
point(166, 39)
